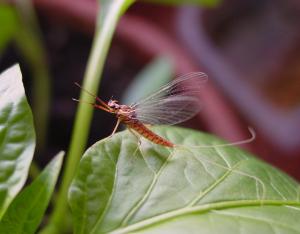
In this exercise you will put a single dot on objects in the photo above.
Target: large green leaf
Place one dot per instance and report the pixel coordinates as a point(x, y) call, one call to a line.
point(26, 211)
point(17, 137)
point(123, 187)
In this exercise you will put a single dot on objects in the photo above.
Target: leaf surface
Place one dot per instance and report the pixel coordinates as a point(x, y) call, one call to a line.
point(17, 137)
point(125, 187)
point(26, 211)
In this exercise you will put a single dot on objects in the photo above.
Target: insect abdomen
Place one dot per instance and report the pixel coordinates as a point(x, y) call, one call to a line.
point(147, 133)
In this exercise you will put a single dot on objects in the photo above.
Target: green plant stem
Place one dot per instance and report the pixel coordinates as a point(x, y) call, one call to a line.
point(109, 14)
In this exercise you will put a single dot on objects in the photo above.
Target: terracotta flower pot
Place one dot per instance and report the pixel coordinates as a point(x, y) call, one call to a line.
point(252, 52)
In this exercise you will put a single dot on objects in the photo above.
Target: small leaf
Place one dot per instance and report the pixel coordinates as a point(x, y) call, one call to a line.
point(17, 137)
point(26, 211)
point(124, 187)
point(150, 79)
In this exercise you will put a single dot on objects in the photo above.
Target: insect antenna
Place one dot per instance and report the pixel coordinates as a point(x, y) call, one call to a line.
point(91, 94)
point(92, 104)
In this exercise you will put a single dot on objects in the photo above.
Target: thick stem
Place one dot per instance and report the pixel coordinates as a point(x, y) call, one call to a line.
point(109, 14)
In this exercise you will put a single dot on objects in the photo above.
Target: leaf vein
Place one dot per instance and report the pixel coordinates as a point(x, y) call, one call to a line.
point(146, 195)
point(222, 212)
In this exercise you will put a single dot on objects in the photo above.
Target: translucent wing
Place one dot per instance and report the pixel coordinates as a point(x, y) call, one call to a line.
point(175, 102)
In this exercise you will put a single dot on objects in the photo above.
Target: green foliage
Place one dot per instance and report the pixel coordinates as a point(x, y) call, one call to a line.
point(26, 211)
point(9, 25)
point(23, 212)
point(123, 187)
point(17, 137)
point(150, 79)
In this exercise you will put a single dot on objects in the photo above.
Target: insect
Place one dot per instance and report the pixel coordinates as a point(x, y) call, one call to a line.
point(173, 103)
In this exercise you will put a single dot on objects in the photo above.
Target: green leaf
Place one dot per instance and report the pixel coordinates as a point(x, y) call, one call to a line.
point(124, 187)
point(208, 3)
point(9, 25)
point(26, 211)
point(151, 78)
point(17, 137)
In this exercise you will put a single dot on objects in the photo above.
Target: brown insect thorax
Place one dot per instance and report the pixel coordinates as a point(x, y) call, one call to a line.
point(123, 112)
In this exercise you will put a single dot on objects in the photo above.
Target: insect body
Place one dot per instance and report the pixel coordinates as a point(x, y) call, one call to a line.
point(173, 103)
point(127, 115)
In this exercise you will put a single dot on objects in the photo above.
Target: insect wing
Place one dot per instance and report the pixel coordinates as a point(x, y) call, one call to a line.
point(175, 102)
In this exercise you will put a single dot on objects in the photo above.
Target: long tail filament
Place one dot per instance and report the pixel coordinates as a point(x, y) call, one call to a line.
point(250, 139)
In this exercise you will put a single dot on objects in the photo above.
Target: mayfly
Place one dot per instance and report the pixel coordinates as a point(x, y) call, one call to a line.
point(173, 103)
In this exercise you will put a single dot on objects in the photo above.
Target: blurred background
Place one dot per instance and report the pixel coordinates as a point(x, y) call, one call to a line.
point(249, 49)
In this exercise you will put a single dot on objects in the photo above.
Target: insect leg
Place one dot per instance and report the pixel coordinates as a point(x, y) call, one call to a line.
point(116, 127)
point(136, 135)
